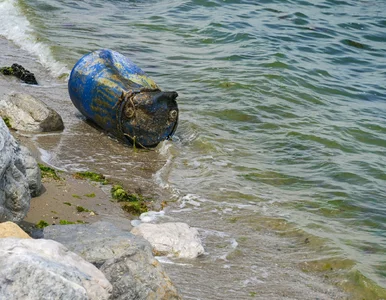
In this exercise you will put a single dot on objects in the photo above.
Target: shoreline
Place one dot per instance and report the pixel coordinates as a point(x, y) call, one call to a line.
point(52, 200)
point(82, 138)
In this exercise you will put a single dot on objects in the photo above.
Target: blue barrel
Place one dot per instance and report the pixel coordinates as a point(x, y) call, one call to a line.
point(109, 89)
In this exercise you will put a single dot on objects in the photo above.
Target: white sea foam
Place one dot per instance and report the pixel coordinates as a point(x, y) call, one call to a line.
point(15, 26)
point(166, 260)
point(45, 155)
point(191, 199)
point(151, 216)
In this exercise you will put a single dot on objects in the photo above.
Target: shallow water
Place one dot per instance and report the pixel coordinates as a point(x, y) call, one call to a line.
point(281, 139)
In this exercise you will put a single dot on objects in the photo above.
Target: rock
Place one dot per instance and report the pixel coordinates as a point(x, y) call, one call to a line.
point(27, 113)
point(96, 242)
point(125, 259)
point(177, 239)
point(14, 191)
point(44, 269)
point(10, 229)
point(30, 167)
point(137, 275)
point(19, 72)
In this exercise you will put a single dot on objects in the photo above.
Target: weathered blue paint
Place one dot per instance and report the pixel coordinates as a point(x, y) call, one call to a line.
point(117, 95)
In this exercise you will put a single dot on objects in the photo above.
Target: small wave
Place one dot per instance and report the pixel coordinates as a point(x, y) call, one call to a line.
point(15, 27)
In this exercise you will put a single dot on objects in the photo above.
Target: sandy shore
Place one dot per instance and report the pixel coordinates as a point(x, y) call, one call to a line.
point(62, 200)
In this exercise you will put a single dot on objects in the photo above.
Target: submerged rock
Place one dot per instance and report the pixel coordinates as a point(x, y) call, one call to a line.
point(44, 269)
point(14, 190)
point(125, 259)
point(27, 113)
point(10, 229)
point(173, 238)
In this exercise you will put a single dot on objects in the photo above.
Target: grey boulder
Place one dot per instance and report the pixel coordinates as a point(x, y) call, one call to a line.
point(30, 168)
point(14, 188)
point(126, 260)
point(44, 269)
point(27, 113)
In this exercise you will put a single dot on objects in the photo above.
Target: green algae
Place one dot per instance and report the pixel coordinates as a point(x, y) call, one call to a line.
point(7, 122)
point(329, 264)
point(135, 208)
point(118, 193)
point(337, 269)
point(82, 209)
point(41, 224)
point(361, 287)
point(65, 222)
point(76, 196)
point(48, 172)
point(67, 203)
point(7, 71)
point(132, 203)
point(91, 195)
point(91, 176)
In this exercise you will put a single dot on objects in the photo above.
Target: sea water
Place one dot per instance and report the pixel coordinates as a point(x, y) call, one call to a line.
point(279, 157)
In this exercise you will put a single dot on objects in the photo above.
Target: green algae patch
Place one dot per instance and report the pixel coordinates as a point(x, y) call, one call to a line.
point(67, 203)
point(234, 254)
point(82, 209)
point(132, 203)
point(362, 287)
point(65, 222)
point(91, 176)
point(7, 122)
point(324, 265)
point(118, 193)
point(7, 71)
point(135, 208)
point(92, 195)
point(48, 172)
point(41, 224)
point(76, 196)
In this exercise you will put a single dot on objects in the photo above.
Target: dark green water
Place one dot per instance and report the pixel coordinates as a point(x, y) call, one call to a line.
point(283, 116)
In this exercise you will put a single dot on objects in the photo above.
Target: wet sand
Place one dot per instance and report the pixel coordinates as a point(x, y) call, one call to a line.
point(61, 199)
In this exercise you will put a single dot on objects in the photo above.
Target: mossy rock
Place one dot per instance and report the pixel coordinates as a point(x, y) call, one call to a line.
point(118, 193)
point(134, 204)
point(20, 72)
point(135, 208)
point(6, 70)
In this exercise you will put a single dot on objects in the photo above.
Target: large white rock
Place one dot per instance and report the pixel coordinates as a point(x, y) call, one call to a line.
point(44, 269)
point(29, 114)
point(125, 259)
point(173, 238)
point(14, 190)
